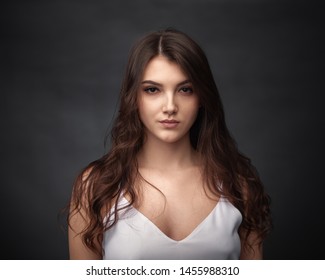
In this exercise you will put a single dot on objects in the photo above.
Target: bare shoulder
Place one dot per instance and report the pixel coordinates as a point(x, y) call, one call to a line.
point(79, 219)
point(251, 244)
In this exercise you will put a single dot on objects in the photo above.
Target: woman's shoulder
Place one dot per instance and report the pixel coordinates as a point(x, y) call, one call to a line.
point(89, 174)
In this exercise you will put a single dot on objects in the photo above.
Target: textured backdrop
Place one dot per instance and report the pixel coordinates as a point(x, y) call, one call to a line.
point(61, 68)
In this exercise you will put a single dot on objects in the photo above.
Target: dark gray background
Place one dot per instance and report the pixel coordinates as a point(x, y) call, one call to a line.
point(61, 68)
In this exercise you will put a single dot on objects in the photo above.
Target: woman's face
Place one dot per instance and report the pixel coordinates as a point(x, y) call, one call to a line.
point(167, 102)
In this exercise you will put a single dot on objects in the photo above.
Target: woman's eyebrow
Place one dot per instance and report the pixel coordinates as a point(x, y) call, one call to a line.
point(158, 84)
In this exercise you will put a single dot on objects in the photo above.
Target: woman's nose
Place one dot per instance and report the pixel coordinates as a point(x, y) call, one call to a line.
point(170, 106)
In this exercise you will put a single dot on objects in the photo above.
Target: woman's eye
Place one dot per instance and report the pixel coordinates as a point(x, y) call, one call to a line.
point(186, 90)
point(151, 90)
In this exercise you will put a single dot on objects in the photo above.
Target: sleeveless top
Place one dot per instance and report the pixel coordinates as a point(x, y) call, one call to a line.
point(135, 237)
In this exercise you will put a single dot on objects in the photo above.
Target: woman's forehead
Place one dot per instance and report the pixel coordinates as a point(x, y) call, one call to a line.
point(161, 69)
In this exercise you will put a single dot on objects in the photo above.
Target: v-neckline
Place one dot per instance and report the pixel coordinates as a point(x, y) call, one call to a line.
point(164, 235)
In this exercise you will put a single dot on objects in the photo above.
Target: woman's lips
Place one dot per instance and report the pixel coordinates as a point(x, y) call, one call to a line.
point(169, 123)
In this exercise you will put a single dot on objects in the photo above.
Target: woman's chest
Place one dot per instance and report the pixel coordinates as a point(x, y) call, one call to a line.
point(134, 236)
point(176, 207)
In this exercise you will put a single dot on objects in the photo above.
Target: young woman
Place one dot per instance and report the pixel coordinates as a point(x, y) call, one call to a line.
point(173, 184)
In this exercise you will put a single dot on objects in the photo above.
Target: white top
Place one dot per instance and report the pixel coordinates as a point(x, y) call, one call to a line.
point(135, 237)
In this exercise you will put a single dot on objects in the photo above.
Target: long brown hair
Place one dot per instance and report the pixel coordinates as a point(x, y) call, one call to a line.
point(104, 180)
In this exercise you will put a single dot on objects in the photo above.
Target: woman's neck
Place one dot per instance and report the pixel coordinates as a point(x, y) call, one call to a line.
point(167, 156)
